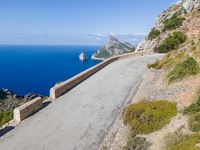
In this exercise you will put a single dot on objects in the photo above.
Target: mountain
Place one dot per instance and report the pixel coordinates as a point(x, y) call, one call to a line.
point(112, 48)
point(182, 16)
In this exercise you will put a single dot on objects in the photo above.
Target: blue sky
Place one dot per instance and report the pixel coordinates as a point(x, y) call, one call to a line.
point(76, 21)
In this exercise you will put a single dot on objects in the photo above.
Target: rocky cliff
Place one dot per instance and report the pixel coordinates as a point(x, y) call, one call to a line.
point(9, 100)
point(112, 48)
point(189, 9)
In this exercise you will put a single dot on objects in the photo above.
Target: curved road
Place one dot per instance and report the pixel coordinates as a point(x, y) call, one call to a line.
point(80, 119)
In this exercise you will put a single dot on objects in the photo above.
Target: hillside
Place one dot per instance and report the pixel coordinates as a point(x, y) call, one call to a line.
point(9, 100)
point(165, 112)
point(112, 48)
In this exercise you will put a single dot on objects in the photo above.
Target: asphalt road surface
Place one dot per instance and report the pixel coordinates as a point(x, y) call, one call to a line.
point(80, 119)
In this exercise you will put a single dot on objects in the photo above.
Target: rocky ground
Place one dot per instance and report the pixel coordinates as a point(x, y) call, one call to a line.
point(154, 87)
point(10, 100)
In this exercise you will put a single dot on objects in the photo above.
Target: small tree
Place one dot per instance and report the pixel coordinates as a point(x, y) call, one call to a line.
point(154, 33)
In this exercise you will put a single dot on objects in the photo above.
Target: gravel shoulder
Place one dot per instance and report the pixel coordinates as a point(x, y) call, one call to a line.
point(154, 87)
point(80, 119)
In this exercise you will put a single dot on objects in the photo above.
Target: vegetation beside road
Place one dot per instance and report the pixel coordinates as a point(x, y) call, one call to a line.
point(146, 117)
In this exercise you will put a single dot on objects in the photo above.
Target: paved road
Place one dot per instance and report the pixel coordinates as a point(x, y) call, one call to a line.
point(80, 119)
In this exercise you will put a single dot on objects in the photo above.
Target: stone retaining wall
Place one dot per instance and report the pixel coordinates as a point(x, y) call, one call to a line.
point(62, 88)
point(27, 109)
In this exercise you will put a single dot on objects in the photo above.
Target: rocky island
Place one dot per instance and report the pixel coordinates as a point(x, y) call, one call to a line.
point(82, 56)
point(114, 47)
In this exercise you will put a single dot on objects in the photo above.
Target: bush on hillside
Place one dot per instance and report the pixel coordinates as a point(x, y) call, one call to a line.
point(173, 23)
point(194, 115)
point(183, 69)
point(154, 33)
point(137, 143)
point(5, 117)
point(169, 61)
point(172, 42)
point(179, 141)
point(146, 117)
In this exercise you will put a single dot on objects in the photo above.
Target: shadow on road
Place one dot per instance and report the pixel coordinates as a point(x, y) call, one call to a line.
point(6, 130)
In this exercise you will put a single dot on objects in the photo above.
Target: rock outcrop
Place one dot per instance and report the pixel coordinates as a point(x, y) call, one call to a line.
point(182, 8)
point(190, 5)
point(112, 48)
point(82, 56)
point(9, 100)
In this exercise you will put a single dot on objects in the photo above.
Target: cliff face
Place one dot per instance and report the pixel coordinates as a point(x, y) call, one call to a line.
point(112, 48)
point(189, 9)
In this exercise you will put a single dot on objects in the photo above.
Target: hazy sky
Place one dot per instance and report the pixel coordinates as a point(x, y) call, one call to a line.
point(75, 21)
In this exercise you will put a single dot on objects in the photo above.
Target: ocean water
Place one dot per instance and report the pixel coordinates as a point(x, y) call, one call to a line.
point(25, 69)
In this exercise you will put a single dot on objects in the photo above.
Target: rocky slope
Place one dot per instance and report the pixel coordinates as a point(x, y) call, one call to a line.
point(9, 100)
point(174, 78)
point(112, 48)
point(191, 25)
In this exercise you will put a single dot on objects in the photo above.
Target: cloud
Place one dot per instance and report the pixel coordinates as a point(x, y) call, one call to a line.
point(91, 39)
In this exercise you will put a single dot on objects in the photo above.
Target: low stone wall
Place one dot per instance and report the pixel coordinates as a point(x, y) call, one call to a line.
point(62, 88)
point(24, 111)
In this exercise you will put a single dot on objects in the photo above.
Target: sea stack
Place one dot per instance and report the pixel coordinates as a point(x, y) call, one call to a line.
point(82, 56)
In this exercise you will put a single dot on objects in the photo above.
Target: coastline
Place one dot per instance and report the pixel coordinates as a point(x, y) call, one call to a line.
point(95, 58)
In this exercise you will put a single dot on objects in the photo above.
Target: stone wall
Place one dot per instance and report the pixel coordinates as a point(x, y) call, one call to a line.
point(62, 88)
point(27, 109)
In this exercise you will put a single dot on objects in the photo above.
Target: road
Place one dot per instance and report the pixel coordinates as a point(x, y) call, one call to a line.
point(80, 119)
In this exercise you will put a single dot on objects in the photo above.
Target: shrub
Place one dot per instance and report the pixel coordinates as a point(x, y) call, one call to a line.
point(155, 65)
point(194, 122)
point(173, 23)
point(179, 141)
point(137, 143)
point(159, 64)
point(5, 117)
point(172, 42)
point(185, 68)
point(194, 115)
point(146, 117)
point(154, 33)
point(170, 60)
point(194, 108)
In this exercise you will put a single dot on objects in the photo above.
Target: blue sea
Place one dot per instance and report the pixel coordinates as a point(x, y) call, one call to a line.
point(25, 69)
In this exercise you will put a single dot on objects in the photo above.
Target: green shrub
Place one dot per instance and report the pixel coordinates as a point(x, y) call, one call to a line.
point(159, 64)
point(185, 68)
point(194, 115)
point(194, 122)
point(146, 117)
point(155, 65)
point(194, 108)
point(137, 143)
point(172, 42)
point(173, 23)
point(154, 33)
point(5, 117)
point(170, 60)
point(179, 141)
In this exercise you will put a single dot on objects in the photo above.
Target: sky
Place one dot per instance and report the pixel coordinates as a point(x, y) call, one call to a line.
point(77, 21)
